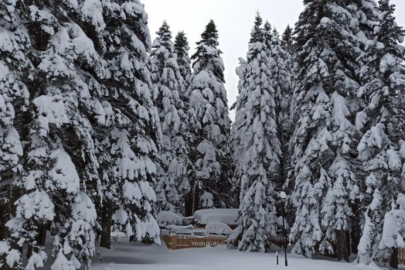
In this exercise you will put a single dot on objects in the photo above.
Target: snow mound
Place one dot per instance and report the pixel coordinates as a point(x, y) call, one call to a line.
point(167, 218)
point(4, 247)
point(227, 216)
point(218, 228)
point(12, 256)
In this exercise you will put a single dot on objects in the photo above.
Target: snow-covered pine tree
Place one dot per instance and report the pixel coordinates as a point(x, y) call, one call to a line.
point(172, 182)
point(258, 152)
point(382, 146)
point(237, 146)
point(129, 131)
point(209, 125)
point(268, 32)
point(365, 12)
point(59, 158)
point(280, 71)
point(181, 48)
point(324, 139)
point(287, 43)
point(16, 71)
point(287, 40)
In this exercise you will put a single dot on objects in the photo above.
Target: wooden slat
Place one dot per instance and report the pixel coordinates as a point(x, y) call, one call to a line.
point(174, 242)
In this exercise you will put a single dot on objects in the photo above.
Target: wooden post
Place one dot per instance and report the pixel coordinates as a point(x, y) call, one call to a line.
point(394, 258)
point(277, 257)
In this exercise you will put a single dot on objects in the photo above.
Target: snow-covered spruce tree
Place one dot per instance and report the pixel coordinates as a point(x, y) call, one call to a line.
point(287, 43)
point(15, 71)
point(324, 139)
point(129, 131)
point(365, 12)
point(268, 32)
point(382, 148)
point(181, 48)
point(237, 146)
point(172, 182)
point(59, 157)
point(280, 76)
point(255, 129)
point(287, 40)
point(289, 111)
point(209, 125)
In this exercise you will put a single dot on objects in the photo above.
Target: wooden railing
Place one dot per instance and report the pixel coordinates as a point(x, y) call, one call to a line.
point(174, 242)
point(401, 256)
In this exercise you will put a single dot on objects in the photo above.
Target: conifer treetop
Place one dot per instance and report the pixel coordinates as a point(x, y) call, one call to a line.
point(287, 38)
point(257, 31)
point(181, 45)
point(210, 33)
point(208, 56)
point(164, 32)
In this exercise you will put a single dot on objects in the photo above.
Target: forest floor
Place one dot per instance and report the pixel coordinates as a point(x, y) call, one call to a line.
point(130, 256)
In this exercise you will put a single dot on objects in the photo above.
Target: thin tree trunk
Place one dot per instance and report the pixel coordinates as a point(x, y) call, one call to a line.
point(3, 215)
point(394, 258)
point(188, 204)
point(196, 199)
point(106, 223)
point(342, 251)
point(356, 230)
point(29, 251)
point(41, 238)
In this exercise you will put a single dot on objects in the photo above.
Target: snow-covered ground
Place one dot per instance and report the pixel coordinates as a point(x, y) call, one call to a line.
point(129, 256)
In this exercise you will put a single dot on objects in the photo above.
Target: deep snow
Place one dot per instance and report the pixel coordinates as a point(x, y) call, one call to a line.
point(127, 256)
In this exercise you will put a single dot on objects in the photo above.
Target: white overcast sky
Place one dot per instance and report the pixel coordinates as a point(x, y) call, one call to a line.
point(234, 19)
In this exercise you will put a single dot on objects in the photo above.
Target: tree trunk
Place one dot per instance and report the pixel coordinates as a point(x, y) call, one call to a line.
point(342, 251)
point(3, 221)
point(394, 258)
point(196, 199)
point(188, 204)
point(106, 223)
point(41, 237)
point(356, 230)
point(29, 251)
point(349, 243)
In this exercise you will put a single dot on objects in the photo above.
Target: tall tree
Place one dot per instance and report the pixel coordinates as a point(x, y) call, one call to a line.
point(287, 39)
point(324, 140)
point(258, 152)
point(16, 71)
point(181, 48)
point(129, 126)
point(209, 124)
point(365, 12)
point(290, 115)
point(60, 155)
point(169, 84)
point(237, 148)
point(281, 80)
point(382, 147)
